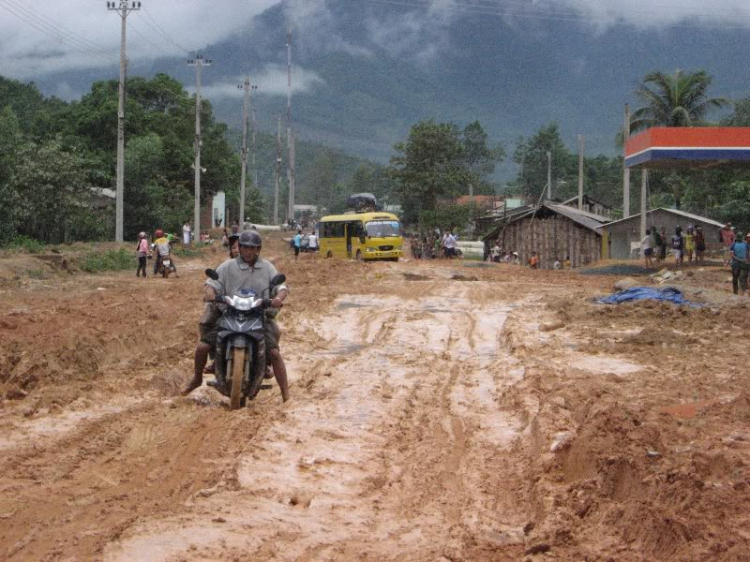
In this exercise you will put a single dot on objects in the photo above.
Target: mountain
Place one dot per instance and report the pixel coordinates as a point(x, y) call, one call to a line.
point(513, 76)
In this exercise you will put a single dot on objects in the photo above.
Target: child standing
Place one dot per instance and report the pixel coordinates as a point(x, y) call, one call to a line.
point(141, 252)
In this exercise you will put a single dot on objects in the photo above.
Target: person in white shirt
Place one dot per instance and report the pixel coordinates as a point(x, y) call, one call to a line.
point(186, 234)
point(450, 245)
point(312, 242)
point(647, 245)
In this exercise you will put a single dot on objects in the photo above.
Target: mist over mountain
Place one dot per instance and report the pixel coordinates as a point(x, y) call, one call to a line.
point(365, 72)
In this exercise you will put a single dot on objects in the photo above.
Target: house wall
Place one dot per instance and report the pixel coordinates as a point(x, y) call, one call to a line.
point(554, 237)
point(623, 233)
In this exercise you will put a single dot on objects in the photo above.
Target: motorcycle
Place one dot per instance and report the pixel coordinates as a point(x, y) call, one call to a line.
point(240, 345)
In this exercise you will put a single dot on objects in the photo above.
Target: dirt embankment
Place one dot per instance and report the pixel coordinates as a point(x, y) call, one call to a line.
point(431, 418)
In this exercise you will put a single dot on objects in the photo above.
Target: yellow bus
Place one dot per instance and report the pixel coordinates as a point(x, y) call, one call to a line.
point(362, 236)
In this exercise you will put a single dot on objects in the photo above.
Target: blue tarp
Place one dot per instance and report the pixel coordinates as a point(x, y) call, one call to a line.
point(668, 294)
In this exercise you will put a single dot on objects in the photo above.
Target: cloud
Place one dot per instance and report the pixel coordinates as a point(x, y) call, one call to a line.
point(272, 80)
point(39, 37)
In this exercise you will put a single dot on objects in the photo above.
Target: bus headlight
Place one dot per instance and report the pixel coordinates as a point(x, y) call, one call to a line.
point(399, 248)
point(368, 250)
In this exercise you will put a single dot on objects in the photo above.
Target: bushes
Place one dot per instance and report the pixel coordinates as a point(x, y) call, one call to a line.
point(27, 244)
point(110, 260)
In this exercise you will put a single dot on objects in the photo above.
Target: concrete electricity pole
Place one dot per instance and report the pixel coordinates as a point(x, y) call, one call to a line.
point(255, 168)
point(277, 176)
point(290, 164)
point(581, 142)
point(644, 190)
point(199, 62)
point(549, 175)
point(123, 8)
point(625, 169)
point(246, 102)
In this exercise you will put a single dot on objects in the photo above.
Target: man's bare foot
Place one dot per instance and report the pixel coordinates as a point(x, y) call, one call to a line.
point(191, 386)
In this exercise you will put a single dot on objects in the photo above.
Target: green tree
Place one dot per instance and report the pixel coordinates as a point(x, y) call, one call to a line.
point(52, 190)
point(678, 100)
point(531, 157)
point(10, 141)
point(428, 166)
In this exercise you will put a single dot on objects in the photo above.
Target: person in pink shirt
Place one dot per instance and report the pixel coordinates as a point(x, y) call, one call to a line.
point(142, 253)
point(728, 238)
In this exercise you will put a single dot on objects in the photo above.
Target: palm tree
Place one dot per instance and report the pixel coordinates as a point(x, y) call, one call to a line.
point(677, 100)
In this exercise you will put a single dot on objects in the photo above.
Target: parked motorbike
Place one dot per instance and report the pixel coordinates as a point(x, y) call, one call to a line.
point(240, 345)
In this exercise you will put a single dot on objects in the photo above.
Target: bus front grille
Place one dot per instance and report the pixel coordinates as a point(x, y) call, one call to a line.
point(385, 248)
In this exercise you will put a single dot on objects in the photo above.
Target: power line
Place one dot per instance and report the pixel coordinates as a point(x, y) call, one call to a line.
point(142, 36)
point(524, 11)
point(160, 30)
point(75, 37)
point(50, 31)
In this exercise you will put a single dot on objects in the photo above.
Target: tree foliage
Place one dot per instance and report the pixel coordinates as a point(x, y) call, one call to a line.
point(677, 100)
point(440, 161)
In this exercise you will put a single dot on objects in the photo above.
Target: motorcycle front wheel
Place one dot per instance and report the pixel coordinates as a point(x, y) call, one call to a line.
point(238, 374)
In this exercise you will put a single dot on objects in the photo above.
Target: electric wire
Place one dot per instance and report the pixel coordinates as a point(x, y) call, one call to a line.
point(50, 31)
point(525, 11)
point(59, 28)
point(161, 31)
point(144, 37)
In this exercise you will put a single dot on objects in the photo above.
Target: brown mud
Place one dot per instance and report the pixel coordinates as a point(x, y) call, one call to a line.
point(506, 418)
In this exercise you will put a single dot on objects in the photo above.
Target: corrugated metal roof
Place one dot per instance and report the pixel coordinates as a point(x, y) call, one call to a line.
point(582, 218)
point(690, 216)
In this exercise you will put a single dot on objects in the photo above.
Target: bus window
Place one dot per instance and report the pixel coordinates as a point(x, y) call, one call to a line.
point(356, 229)
point(332, 230)
point(383, 229)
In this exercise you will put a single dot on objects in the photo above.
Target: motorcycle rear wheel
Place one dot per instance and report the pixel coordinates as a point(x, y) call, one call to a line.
point(238, 374)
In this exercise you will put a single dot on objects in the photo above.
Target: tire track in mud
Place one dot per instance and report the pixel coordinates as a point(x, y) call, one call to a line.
point(381, 455)
point(82, 491)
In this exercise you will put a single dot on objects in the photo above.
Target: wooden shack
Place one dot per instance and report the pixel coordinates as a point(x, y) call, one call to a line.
point(554, 232)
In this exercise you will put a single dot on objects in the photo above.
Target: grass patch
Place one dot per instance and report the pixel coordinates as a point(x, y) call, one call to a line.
point(35, 273)
point(110, 260)
point(186, 252)
point(28, 245)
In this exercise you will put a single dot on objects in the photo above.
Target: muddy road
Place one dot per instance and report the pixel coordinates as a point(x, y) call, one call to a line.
point(438, 412)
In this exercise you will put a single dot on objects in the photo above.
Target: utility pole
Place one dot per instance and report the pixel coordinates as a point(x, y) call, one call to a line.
point(199, 62)
point(549, 175)
point(290, 164)
point(255, 168)
point(123, 8)
point(581, 142)
point(625, 169)
point(644, 190)
point(277, 176)
point(246, 87)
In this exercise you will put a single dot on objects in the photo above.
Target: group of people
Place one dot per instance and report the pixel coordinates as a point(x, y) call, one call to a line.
point(690, 244)
point(161, 252)
point(302, 242)
point(435, 245)
point(498, 255)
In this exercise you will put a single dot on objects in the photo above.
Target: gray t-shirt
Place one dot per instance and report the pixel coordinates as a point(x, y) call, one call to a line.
point(235, 274)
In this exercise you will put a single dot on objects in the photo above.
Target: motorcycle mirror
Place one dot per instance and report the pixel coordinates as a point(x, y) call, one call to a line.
point(278, 279)
point(210, 273)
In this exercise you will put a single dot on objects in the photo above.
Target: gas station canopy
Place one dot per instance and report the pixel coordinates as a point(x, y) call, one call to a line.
point(689, 147)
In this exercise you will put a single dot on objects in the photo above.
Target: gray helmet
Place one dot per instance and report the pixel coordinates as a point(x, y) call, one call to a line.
point(251, 238)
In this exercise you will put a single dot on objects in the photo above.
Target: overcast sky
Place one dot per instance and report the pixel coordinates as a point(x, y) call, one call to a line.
point(39, 37)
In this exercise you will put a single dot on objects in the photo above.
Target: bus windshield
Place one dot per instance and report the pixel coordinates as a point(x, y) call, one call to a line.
point(383, 229)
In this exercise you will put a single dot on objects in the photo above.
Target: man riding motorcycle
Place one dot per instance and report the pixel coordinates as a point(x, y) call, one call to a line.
point(162, 251)
point(247, 271)
point(211, 313)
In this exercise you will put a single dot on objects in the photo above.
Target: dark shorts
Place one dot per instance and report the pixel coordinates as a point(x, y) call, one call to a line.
point(648, 251)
